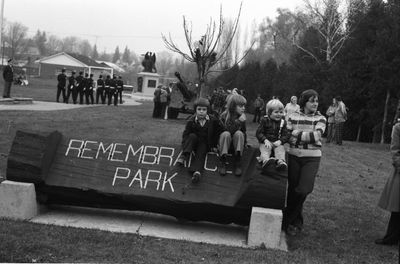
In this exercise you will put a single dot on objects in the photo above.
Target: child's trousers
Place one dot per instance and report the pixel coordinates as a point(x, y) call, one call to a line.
point(279, 152)
point(225, 140)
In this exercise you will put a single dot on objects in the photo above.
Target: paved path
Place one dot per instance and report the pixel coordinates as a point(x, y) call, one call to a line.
point(148, 224)
point(51, 106)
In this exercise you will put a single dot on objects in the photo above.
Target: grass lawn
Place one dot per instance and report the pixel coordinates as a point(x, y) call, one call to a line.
point(341, 216)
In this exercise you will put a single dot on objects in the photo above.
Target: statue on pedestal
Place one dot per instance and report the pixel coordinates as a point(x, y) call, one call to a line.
point(149, 62)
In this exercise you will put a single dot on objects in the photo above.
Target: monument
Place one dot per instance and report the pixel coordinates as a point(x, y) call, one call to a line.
point(148, 79)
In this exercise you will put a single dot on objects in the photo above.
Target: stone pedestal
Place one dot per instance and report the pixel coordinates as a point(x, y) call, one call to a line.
point(18, 200)
point(149, 81)
point(265, 228)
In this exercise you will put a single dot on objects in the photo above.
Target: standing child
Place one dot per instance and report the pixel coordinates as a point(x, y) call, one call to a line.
point(307, 127)
point(272, 134)
point(200, 135)
point(234, 135)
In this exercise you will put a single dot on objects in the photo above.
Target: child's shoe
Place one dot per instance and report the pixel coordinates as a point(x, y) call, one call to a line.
point(196, 177)
point(268, 161)
point(182, 160)
point(281, 165)
point(222, 166)
point(238, 165)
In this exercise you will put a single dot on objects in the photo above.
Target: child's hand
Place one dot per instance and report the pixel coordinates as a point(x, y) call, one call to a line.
point(267, 143)
point(242, 118)
point(295, 132)
point(277, 143)
point(215, 150)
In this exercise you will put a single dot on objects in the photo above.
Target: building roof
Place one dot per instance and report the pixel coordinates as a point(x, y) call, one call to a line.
point(86, 60)
point(72, 59)
point(111, 65)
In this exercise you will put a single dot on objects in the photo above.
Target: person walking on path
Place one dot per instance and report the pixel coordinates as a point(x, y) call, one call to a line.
point(307, 127)
point(291, 107)
point(390, 198)
point(330, 113)
point(340, 118)
point(258, 108)
point(8, 76)
point(62, 82)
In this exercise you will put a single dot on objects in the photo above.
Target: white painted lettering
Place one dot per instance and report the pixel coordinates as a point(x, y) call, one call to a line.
point(119, 176)
point(87, 149)
point(169, 181)
point(130, 149)
point(153, 180)
point(170, 157)
point(70, 147)
point(105, 150)
point(153, 155)
point(115, 151)
point(206, 162)
point(138, 177)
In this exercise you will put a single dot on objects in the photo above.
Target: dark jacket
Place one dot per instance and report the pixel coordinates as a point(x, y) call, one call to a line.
point(215, 128)
point(120, 84)
point(89, 83)
point(71, 82)
point(62, 80)
point(80, 82)
point(8, 73)
point(100, 84)
point(272, 130)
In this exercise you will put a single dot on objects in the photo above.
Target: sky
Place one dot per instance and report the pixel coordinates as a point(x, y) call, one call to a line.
point(133, 23)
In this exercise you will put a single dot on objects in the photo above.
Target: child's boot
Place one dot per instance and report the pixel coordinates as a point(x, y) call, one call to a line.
point(281, 165)
point(222, 165)
point(238, 164)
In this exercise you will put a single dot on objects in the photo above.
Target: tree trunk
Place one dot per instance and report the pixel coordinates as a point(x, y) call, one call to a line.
point(135, 176)
point(358, 133)
point(385, 116)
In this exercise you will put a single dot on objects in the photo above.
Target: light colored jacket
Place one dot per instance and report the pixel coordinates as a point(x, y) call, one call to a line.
point(340, 113)
point(390, 197)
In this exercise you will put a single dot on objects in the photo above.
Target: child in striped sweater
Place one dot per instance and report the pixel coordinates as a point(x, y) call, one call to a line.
point(307, 127)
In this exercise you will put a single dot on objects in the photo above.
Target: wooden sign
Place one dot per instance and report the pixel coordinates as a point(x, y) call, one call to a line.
point(142, 176)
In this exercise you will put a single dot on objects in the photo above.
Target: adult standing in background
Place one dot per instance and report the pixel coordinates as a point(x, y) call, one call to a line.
point(157, 103)
point(330, 113)
point(80, 86)
point(291, 107)
point(8, 75)
point(100, 90)
point(258, 107)
point(120, 88)
point(71, 88)
point(390, 198)
point(340, 118)
point(62, 82)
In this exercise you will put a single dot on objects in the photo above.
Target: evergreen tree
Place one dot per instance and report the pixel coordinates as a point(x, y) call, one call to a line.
point(126, 57)
point(95, 54)
point(40, 41)
point(116, 56)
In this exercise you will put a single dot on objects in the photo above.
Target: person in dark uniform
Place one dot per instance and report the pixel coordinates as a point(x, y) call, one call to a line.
point(71, 88)
point(100, 90)
point(113, 91)
point(8, 75)
point(120, 88)
point(62, 82)
point(89, 89)
point(80, 86)
point(107, 86)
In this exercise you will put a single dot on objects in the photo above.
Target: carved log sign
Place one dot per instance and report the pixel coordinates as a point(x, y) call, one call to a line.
point(141, 176)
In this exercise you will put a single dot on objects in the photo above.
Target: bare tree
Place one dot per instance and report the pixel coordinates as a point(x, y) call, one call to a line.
point(69, 44)
point(16, 38)
point(329, 19)
point(209, 49)
point(54, 44)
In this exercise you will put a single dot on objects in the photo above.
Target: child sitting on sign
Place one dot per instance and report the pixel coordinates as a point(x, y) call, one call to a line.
point(200, 135)
point(234, 135)
point(272, 134)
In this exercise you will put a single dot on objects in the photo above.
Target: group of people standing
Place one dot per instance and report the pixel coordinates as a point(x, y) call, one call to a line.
point(84, 87)
point(227, 134)
point(337, 115)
